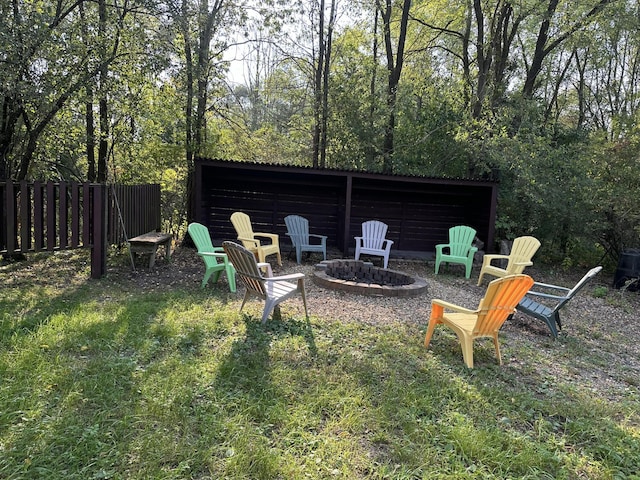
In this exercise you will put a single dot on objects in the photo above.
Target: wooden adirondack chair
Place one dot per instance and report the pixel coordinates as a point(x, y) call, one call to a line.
point(459, 248)
point(499, 302)
point(242, 224)
point(298, 231)
point(520, 257)
point(273, 290)
point(555, 297)
point(373, 241)
point(215, 260)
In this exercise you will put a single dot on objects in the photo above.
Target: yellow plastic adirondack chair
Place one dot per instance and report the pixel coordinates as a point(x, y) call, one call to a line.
point(298, 231)
point(373, 241)
point(499, 302)
point(242, 224)
point(273, 290)
point(215, 260)
point(520, 257)
point(459, 249)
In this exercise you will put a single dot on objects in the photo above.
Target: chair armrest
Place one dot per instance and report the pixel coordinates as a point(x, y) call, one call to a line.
point(489, 258)
point(213, 254)
point(322, 237)
point(546, 295)
point(523, 264)
point(552, 287)
point(358, 239)
point(441, 246)
point(272, 236)
point(267, 267)
point(451, 306)
point(291, 276)
point(255, 242)
point(388, 244)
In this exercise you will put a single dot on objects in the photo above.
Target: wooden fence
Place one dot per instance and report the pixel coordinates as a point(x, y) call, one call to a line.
point(52, 216)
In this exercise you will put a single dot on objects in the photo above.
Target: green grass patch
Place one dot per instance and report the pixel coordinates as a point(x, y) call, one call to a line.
point(99, 381)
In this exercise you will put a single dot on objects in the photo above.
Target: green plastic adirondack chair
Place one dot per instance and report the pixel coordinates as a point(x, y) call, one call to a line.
point(551, 301)
point(298, 231)
point(459, 249)
point(215, 260)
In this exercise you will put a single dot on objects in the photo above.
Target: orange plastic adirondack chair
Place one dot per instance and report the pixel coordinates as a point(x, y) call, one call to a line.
point(215, 260)
point(273, 290)
point(373, 241)
point(520, 257)
point(499, 302)
point(242, 224)
point(459, 249)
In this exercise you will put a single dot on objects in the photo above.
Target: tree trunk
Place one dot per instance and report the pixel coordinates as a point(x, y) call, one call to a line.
point(394, 70)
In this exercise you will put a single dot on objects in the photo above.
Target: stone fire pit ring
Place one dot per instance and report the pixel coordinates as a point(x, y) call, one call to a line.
point(363, 278)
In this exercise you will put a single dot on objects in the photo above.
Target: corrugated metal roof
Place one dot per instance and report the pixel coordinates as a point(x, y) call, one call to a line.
point(338, 171)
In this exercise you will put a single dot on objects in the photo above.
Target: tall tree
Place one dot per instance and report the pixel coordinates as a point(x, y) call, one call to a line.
point(322, 62)
point(395, 61)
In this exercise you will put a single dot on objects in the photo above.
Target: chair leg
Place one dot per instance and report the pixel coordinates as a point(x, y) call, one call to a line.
point(231, 278)
point(467, 349)
point(304, 296)
point(244, 299)
point(207, 275)
point(437, 265)
point(551, 323)
point(497, 345)
point(432, 326)
point(269, 305)
point(468, 267)
point(298, 255)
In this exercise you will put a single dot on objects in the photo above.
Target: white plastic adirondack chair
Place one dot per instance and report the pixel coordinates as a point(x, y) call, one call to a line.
point(548, 308)
point(273, 290)
point(373, 241)
point(298, 231)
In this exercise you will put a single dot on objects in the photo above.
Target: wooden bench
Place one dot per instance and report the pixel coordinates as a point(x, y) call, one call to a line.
point(149, 243)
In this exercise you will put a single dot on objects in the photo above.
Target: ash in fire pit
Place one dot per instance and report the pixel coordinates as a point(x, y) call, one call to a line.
point(355, 276)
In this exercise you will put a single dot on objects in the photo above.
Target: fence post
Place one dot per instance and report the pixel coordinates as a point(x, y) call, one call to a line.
point(99, 232)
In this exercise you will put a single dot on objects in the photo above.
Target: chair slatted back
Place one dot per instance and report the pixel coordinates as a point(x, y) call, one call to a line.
point(523, 250)
point(460, 240)
point(499, 302)
point(242, 223)
point(298, 229)
point(374, 233)
point(246, 267)
point(201, 237)
point(583, 281)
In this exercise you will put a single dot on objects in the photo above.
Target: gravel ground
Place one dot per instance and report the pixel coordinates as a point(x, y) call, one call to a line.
point(603, 330)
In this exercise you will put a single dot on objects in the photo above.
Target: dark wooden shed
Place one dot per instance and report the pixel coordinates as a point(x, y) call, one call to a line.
point(418, 210)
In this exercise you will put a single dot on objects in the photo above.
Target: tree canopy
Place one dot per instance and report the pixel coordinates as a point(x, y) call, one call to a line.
point(541, 95)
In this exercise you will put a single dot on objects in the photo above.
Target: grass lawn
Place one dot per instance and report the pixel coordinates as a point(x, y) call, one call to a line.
point(99, 380)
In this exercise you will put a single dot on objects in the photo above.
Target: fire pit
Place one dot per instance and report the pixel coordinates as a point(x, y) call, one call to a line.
point(355, 276)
